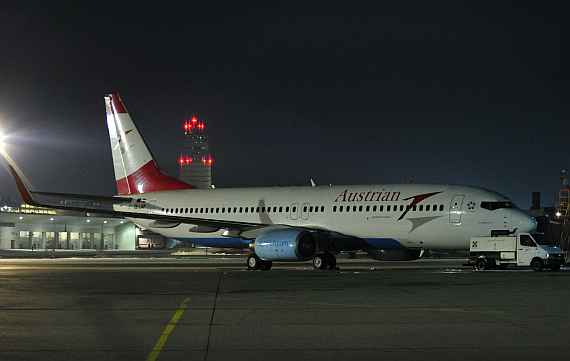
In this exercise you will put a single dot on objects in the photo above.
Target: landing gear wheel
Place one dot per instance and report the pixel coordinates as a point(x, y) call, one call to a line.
point(331, 261)
point(324, 260)
point(319, 262)
point(481, 264)
point(266, 265)
point(537, 264)
point(254, 263)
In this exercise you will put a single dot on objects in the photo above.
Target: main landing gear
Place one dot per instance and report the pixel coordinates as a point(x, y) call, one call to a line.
point(255, 263)
point(321, 261)
point(324, 260)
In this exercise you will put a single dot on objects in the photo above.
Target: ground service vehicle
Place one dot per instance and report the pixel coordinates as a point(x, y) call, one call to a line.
point(524, 249)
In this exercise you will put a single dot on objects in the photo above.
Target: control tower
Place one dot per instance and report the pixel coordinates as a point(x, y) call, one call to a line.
point(195, 159)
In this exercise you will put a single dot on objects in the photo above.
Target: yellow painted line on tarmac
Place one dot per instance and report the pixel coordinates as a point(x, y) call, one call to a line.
point(162, 340)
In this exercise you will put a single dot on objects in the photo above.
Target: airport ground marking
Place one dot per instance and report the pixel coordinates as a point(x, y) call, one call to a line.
point(162, 340)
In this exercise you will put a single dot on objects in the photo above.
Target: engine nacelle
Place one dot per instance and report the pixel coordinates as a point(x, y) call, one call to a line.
point(394, 254)
point(286, 245)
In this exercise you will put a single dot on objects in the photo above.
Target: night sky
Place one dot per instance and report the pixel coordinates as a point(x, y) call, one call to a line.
point(341, 92)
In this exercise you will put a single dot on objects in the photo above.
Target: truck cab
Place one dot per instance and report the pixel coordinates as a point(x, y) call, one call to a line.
point(525, 249)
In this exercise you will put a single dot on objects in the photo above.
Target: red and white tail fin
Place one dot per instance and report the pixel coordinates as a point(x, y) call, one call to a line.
point(135, 169)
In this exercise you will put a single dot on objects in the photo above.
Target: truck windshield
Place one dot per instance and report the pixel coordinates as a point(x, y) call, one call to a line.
point(497, 205)
point(542, 239)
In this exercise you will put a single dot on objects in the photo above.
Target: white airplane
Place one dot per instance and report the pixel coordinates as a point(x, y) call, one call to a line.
point(388, 221)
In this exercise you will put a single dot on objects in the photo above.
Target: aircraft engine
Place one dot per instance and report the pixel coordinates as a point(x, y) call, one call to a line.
point(394, 254)
point(286, 245)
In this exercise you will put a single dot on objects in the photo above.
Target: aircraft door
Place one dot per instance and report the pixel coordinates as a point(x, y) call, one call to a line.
point(305, 211)
point(294, 210)
point(455, 208)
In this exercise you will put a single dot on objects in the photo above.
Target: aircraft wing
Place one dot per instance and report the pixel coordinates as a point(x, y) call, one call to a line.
point(161, 220)
point(88, 198)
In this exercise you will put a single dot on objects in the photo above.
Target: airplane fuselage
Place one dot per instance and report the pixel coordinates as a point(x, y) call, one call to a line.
point(412, 216)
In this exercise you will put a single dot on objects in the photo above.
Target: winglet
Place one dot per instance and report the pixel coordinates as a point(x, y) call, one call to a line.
point(26, 195)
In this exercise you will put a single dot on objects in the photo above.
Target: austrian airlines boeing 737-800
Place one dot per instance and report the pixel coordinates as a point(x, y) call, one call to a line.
point(388, 221)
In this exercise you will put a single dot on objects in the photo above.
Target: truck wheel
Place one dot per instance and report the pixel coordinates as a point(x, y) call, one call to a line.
point(555, 268)
point(481, 264)
point(537, 264)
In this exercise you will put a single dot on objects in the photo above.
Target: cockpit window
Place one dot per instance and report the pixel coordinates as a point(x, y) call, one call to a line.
point(497, 205)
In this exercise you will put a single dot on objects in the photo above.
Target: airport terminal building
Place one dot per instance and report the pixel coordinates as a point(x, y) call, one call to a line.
point(33, 228)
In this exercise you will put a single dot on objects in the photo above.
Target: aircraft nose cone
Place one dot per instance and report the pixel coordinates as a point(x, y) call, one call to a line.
point(524, 222)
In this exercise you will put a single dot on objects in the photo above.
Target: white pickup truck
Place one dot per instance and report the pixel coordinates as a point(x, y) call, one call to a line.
point(525, 249)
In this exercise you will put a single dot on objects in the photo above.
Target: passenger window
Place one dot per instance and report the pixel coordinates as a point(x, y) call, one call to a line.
point(280, 209)
point(387, 208)
point(334, 209)
point(441, 208)
point(360, 209)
